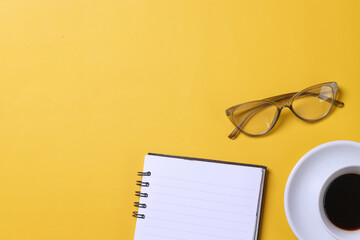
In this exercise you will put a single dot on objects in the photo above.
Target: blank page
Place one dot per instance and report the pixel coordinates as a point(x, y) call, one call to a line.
point(197, 200)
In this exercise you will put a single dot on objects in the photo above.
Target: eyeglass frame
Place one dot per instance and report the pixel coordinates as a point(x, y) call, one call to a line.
point(277, 101)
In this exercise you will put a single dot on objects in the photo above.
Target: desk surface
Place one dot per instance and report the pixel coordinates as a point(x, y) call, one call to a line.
point(89, 87)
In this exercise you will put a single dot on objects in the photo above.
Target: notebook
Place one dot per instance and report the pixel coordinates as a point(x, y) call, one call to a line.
point(183, 198)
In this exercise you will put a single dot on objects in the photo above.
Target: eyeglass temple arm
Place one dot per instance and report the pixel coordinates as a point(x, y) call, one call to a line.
point(236, 131)
point(337, 103)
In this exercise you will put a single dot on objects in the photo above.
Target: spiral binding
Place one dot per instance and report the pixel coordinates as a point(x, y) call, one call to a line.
point(136, 214)
point(144, 173)
point(140, 194)
point(139, 205)
point(142, 184)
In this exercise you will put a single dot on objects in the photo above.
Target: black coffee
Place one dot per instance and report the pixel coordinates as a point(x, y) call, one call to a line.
point(342, 202)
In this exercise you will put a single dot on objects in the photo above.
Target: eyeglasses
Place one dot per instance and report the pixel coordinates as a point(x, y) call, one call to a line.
point(257, 118)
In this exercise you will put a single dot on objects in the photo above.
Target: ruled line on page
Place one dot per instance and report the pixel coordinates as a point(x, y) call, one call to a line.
point(206, 217)
point(197, 224)
point(204, 200)
point(196, 207)
point(191, 232)
point(212, 184)
point(202, 191)
point(165, 237)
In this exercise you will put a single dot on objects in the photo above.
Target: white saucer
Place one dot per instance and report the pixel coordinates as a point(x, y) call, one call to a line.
point(304, 184)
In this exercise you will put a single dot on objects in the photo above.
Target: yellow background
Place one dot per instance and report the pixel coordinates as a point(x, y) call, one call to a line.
point(87, 88)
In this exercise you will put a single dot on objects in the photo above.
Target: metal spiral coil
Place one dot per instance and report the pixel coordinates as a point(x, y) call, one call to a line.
point(142, 184)
point(148, 173)
point(137, 215)
point(140, 194)
point(139, 205)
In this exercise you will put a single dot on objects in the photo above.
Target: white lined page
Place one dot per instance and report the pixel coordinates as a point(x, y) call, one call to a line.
point(196, 200)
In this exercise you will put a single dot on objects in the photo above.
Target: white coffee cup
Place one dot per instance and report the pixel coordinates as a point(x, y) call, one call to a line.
point(335, 231)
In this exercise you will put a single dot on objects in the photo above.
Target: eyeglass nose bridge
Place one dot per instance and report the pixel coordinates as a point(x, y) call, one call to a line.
point(283, 104)
point(286, 106)
point(289, 106)
point(281, 107)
